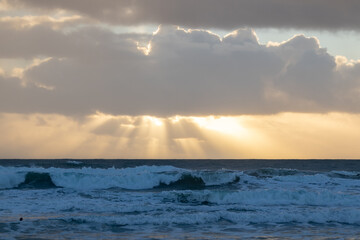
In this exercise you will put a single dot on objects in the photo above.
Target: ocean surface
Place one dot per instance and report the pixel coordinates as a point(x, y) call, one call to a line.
point(179, 199)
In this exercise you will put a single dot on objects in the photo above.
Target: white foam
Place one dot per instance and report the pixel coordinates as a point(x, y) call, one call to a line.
point(276, 215)
point(74, 162)
point(267, 197)
point(212, 178)
point(295, 198)
point(138, 208)
point(10, 177)
point(143, 177)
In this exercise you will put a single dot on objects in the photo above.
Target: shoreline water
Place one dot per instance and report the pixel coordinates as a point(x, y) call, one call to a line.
point(179, 199)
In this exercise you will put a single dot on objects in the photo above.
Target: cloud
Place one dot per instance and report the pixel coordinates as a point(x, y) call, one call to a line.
point(30, 21)
point(187, 72)
point(226, 14)
point(49, 39)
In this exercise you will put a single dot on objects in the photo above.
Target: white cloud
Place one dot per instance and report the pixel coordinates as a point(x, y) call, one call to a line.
point(186, 72)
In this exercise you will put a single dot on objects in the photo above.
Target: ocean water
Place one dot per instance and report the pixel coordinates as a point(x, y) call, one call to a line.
point(179, 199)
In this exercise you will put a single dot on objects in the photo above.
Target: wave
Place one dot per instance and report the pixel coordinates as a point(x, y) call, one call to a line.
point(243, 216)
point(10, 177)
point(186, 181)
point(142, 177)
point(345, 174)
point(169, 178)
point(264, 197)
point(272, 172)
point(37, 180)
point(283, 172)
point(72, 162)
point(181, 196)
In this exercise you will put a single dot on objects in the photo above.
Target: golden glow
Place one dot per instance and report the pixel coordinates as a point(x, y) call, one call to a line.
point(128, 11)
point(31, 21)
point(226, 125)
point(156, 121)
point(343, 62)
point(4, 6)
point(191, 147)
point(13, 70)
point(157, 30)
point(189, 30)
point(17, 67)
point(145, 50)
point(287, 135)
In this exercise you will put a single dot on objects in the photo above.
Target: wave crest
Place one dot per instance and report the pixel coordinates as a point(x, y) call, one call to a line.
point(142, 177)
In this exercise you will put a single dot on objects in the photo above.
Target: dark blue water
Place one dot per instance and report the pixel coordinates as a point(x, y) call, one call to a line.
point(310, 165)
point(179, 199)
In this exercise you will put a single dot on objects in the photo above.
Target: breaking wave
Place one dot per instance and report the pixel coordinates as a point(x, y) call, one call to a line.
point(261, 197)
point(37, 181)
point(172, 178)
point(166, 195)
point(143, 177)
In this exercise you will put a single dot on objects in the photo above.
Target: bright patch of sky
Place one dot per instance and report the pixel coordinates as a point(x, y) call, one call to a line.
point(340, 43)
point(132, 29)
point(343, 43)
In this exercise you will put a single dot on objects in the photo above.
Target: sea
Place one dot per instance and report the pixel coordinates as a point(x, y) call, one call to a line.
point(179, 199)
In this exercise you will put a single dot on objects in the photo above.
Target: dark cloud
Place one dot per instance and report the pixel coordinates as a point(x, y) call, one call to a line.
point(85, 43)
point(227, 14)
point(190, 72)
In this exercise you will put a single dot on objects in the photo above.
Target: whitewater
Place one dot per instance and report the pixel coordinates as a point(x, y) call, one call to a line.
point(197, 199)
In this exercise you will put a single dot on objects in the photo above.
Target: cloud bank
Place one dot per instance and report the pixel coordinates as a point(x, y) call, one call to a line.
point(180, 72)
point(226, 14)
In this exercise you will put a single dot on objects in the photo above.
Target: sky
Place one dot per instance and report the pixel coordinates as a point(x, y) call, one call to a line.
point(180, 79)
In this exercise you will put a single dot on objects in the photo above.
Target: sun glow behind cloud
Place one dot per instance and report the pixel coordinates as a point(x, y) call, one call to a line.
point(58, 64)
point(287, 135)
point(225, 125)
